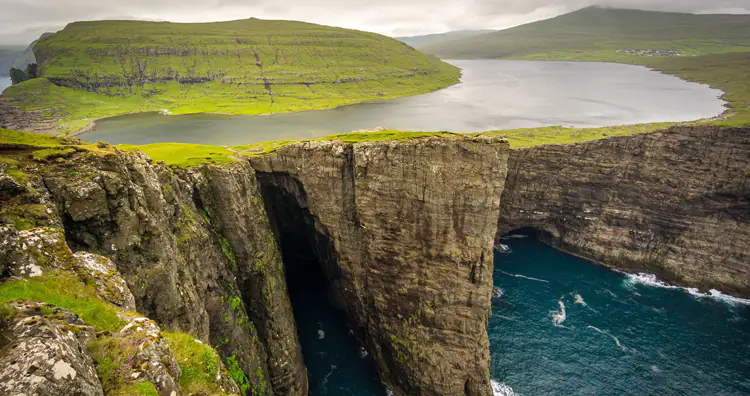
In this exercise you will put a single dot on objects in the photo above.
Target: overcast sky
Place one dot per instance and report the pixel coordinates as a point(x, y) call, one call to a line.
point(22, 21)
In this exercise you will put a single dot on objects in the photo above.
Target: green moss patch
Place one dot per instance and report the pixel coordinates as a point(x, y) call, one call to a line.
point(53, 153)
point(16, 139)
point(184, 155)
point(64, 291)
point(199, 364)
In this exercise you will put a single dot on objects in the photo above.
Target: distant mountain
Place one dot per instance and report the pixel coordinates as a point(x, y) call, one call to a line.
point(430, 39)
point(601, 29)
point(17, 56)
point(8, 56)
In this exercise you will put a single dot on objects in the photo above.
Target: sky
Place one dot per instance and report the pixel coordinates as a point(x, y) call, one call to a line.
point(22, 21)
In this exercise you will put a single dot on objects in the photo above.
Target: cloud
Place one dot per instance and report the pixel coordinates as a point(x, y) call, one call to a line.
point(21, 21)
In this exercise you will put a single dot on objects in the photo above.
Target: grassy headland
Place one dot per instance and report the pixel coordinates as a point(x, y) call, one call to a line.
point(710, 49)
point(91, 70)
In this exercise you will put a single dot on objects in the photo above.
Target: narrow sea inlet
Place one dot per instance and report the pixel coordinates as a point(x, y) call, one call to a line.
point(562, 326)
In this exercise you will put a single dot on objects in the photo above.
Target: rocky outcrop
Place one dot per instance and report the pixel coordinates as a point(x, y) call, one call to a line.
point(44, 352)
point(192, 268)
point(675, 203)
point(404, 231)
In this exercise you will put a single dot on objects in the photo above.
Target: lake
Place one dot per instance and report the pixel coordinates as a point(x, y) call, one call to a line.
point(493, 95)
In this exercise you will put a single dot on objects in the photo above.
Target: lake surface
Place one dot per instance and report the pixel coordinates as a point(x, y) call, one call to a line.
point(5, 82)
point(562, 326)
point(493, 95)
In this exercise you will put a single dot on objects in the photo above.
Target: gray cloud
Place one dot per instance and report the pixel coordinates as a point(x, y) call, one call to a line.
point(21, 21)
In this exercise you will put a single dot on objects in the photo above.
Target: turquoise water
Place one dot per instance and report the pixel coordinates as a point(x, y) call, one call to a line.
point(626, 335)
point(336, 363)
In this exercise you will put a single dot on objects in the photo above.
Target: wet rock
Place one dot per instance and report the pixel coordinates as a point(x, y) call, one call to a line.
point(44, 352)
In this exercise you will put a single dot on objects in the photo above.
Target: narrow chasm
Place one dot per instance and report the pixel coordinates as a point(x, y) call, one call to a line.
point(337, 362)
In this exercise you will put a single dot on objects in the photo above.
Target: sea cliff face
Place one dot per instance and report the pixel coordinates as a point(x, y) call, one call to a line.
point(675, 203)
point(404, 232)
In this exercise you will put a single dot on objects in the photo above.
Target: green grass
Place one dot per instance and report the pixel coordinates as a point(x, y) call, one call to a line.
point(529, 137)
point(64, 291)
point(183, 155)
point(99, 69)
point(16, 139)
point(199, 364)
point(357, 137)
point(596, 29)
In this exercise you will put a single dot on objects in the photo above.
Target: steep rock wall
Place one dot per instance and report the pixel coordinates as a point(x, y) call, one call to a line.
point(675, 203)
point(194, 246)
point(404, 231)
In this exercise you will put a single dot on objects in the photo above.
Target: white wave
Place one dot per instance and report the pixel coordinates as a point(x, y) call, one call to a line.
point(506, 318)
point(579, 300)
point(389, 392)
point(500, 389)
point(653, 281)
point(558, 317)
point(515, 236)
point(321, 334)
point(497, 292)
point(524, 277)
point(500, 248)
point(324, 382)
point(362, 352)
point(655, 369)
point(617, 340)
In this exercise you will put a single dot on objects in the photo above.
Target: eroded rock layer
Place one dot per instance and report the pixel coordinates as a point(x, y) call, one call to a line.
point(675, 203)
point(404, 231)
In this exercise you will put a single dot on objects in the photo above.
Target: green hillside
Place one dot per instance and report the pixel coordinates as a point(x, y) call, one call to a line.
point(601, 29)
point(432, 39)
point(97, 69)
point(711, 49)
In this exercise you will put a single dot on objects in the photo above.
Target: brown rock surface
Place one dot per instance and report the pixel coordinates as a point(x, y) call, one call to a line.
point(404, 231)
point(675, 203)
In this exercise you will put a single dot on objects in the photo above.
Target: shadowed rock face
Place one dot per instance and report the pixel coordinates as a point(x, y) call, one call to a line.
point(675, 203)
point(404, 232)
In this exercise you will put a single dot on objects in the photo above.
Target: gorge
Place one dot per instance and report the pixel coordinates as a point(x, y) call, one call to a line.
point(403, 231)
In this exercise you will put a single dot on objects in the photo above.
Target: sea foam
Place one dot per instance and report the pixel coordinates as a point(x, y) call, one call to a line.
point(558, 317)
point(500, 389)
point(651, 280)
point(524, 277)
point(617, 340)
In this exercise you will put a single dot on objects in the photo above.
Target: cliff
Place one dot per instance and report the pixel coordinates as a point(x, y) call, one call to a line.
point(675, 203)
point(401, 229)
point(193, 246)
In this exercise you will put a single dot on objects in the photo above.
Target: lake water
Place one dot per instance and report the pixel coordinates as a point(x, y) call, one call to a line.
point(493, 95)
point(562, 326)
point(5, 82)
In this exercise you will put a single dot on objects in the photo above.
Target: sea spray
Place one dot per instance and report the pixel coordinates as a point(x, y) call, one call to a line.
point(631, 280)
point(500, 389)
point(617, 340)
point(523, 277)
point(558, 317)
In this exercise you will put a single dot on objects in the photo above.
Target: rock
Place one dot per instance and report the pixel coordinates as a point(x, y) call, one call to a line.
point(10, 187)
point(153, 359)
point(673, 203)
point(9, 255)
point(46, 354)
point(404, 231)
point(110, 285)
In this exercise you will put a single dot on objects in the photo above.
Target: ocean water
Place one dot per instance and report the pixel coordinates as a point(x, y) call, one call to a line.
point(337, 365)
point(564, 326)
point(559, 326)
